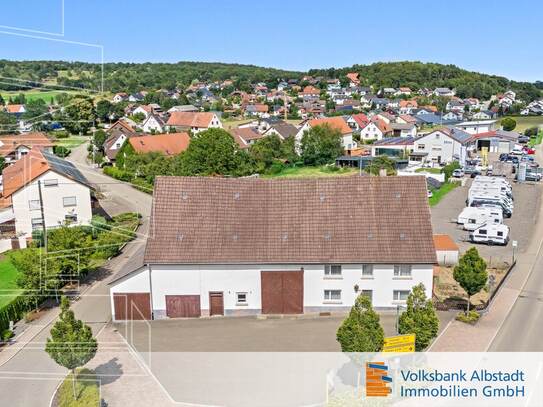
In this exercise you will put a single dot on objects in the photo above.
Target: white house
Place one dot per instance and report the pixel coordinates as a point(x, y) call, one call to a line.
point(278, 247)
point(442, 146)
point(375, 129)
point(153, 124)
point(66, 194)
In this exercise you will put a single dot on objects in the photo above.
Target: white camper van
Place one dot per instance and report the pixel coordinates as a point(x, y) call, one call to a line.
point(472, 218)
point(490, 234)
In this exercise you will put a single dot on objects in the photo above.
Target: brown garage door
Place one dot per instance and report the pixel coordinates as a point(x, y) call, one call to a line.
point(282, 292)
point(132, 306)
point(183, 306)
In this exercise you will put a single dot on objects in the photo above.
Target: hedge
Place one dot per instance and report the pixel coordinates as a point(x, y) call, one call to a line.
point(13, 311)
point(118, 174)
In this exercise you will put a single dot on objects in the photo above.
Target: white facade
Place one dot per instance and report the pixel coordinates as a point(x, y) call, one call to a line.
point(371, 132)
point(387, 289)
point(447, 257)
point(476, 127)
point(63, 200)
point(151, 124)
point(440, 147)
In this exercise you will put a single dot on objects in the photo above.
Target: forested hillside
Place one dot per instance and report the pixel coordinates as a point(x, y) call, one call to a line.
point(418, 75)
point(131, 77)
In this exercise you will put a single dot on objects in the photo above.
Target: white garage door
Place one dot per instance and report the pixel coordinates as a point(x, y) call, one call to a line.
point(503, 147)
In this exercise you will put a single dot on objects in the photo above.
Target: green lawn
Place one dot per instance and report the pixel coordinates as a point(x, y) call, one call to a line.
point(87, 390)
point(430, 170)
point(534, 141)
point(33, 94)
point(525, 122)
point(72, 141)
point(439, 194)
point(312, 172)
point(8, 282)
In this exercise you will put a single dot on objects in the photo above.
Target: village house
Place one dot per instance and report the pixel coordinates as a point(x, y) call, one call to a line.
point(153, 124)
point(442, 146)
point(484, 115)
point(478, 126)
point(245, 136)
point(65, 195)
point(168, 144)
point(337, 123)
point(325, 244)
point(13, 147)
point(408, 106)
point(257, 109)
point(282, 129)
point(357, 121)
point(119, 97)
point(375, 129)
point(194, 121)
point(446, 92)
point(183, 108)
point(353, 79)
point(118, 133)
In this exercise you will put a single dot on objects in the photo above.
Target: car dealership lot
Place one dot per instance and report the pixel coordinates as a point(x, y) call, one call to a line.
point(527, 197)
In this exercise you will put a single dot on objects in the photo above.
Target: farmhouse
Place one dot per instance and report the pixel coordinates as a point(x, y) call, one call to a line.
point(227, 246)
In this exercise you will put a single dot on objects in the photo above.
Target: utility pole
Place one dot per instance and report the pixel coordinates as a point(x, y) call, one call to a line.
point(44, 229)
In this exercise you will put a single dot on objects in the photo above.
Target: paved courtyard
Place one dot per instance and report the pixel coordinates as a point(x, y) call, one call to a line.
point(527, 200)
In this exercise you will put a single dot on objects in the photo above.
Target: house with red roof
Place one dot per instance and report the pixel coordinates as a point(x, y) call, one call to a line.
point(337, 123)
point(193, 121)
point(375, 129)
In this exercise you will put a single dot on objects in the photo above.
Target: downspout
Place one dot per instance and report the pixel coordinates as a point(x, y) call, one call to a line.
point(151, 293)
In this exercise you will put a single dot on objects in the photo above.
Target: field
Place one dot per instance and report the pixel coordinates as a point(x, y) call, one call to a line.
point(33, 94)
point(72, 141)
point(312, 172)
point(8, 285)
point(525, 122)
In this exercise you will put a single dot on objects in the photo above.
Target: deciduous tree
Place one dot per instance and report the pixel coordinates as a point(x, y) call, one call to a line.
point(321, 145)
point(471, 273)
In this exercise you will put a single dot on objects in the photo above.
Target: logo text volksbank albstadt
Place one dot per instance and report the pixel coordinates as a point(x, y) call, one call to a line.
point(377, 380)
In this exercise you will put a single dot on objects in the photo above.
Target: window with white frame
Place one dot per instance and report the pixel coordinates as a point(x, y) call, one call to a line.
point(36, 223)
point(69, 201)
point(50, 182)
point(332, 270)
point(332, 295)
point(367, 270)
point(402, 270)
point(34, 204)
point(400, 295)
point(241, 298)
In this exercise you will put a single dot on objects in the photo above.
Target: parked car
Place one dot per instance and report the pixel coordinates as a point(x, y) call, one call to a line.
point(533, 176)
point(523, 139)
point(458, 173)
point(528, 150)
point(475, 173)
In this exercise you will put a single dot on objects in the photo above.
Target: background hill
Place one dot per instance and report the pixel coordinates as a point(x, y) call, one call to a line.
point(131, 77)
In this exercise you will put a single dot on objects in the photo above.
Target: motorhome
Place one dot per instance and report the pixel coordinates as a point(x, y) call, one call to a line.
point(494, 202)
point(472, 218)
point(478, 194)
point(493, 186)
point(490, 192)
point(490, 234)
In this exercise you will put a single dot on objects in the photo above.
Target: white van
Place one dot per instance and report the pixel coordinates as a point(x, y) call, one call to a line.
point(490, 234)
point(472, 218)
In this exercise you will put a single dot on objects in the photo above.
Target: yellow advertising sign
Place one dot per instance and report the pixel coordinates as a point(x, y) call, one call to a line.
point(400, 343)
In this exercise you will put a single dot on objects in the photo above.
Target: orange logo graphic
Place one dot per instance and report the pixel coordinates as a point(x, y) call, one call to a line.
point(377, 380)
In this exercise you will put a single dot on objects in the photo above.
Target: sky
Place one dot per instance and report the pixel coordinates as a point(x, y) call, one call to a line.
point(490, 36)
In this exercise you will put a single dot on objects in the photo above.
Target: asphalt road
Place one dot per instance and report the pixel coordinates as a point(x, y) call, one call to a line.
point(522, 329)
point(31, 377)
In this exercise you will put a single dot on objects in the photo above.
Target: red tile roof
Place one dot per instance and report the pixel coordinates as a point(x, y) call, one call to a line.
point(336, 122)
point(302, 221)
point(167, 144)
point(444, 242)
point(10, 143)
point(190, 119)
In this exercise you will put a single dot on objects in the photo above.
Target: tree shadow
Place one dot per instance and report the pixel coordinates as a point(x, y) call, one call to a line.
point(109, 372)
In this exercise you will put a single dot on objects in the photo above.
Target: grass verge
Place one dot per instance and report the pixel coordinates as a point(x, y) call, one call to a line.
point(429, 170)
point(439, 194)
point(8, 282)
point(86, 390)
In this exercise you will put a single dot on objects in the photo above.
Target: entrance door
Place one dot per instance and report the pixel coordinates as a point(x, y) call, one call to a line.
point(282, 292)
point(183, 306)
point(216, 303)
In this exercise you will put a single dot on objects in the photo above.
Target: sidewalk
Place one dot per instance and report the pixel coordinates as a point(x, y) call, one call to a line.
point(461, 337)
point(124, 378)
